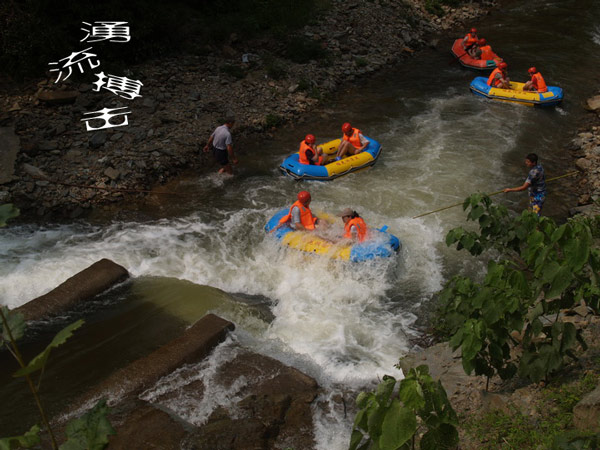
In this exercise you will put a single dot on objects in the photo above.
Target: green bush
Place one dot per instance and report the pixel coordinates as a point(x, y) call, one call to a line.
point(434, 7)
point(301, 50)
point(234, 71)
point(275, 69)
point(273, 120)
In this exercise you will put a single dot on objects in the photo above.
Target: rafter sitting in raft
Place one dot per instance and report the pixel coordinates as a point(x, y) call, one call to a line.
point(353, 142)
point(537, 83)
point(300, 216)
point(308, 154)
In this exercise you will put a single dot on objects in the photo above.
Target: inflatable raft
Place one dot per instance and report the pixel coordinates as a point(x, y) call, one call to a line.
point(291, 165)
point(380, 243)
point(553, 97)
point(468, 61)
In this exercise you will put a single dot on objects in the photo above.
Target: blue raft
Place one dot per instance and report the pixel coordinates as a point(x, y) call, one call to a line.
point(291, 165)
point(380, 244)
point(553, 97)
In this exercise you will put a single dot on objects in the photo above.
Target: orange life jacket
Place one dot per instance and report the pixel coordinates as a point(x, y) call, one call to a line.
point(303, 158)
point(487, 53)
point(354, 138)
point(361, 228)
point(492, 81)
point(538, 82)
point(470, 40)
point(306, 217)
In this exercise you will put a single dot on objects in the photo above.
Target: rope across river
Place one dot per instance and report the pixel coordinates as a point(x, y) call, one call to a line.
point(490, 195)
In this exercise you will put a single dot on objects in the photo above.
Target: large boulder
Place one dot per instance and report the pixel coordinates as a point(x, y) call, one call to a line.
point(586, 413)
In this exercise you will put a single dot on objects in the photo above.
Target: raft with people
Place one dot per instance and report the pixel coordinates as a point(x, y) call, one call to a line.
point(378, 243)
point(553, 96)
point(469, 61)
point(333, 168)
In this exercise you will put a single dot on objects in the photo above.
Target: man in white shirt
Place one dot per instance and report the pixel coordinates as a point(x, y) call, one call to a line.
point(221, 143)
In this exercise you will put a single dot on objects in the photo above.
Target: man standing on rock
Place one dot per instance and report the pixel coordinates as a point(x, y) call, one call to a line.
point(221, 143)
point(535, 183)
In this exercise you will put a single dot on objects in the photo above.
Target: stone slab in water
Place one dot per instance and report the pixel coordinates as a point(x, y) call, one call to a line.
point(82, 286)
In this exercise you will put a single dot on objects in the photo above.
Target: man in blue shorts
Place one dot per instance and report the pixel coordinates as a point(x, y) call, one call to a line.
point(535, 183)
point(221, 144)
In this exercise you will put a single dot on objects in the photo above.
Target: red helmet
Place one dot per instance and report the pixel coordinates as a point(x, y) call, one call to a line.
point(304, 196)
point(502, 65)
point(532, 70)
point(481, 41)
point(473, 30)
point(346, 128)
point(310, 139)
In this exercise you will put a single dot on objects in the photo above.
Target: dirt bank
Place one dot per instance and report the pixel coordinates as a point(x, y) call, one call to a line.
point(52, 167)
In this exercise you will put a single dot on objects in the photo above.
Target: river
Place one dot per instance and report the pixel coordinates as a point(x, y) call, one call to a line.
point(344, 324)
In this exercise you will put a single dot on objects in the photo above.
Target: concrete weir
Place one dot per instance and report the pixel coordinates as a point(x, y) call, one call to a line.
point(84, 285)
point(192, 346)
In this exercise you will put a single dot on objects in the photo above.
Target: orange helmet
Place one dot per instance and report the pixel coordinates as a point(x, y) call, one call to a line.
point(473, 30)
point(304, 197)
point(310, 139)
point(346, 128)
point(502, 65)
point(481, 41)
point(532, 70)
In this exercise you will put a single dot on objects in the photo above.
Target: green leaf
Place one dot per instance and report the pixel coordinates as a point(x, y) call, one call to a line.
point(362, 399)
point(90, 431)
point(39, 361)
point(411, 394)
point(399, 425)
point(375, 414)
point(577, 251)
point(16, 323)
point(27, 440)
point(560, 282)
point(355, 439)
point(385, 389)
point(7, 211)
point(442, 438)
point(558, 233)
point(476, 212)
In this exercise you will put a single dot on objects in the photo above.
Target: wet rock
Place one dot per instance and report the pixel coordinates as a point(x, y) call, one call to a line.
point(57, 97)
point(148, 428)
point(593, 103)
point(46, 146)
point(112, 173)
point(9, 147)
point(34, 171)
point(98, 139)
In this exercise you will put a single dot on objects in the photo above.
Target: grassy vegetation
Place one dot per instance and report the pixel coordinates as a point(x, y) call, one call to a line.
point(552, 422)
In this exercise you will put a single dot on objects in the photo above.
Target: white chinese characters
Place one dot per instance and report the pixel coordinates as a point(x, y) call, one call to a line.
point(107, 31)
point(75, 58)
point(105, 115)
point(121, 86)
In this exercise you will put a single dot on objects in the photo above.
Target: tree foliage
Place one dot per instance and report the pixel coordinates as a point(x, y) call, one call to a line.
point(89, 432)
point(390, 418)
point(541, 269)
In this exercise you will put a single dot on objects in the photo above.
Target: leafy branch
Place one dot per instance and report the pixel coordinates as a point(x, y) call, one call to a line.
point(88, 432)
point(542, 269)
point(390, 418)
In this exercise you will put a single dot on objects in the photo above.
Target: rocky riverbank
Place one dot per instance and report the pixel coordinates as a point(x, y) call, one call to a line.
point(52, 167)
point(585, 150)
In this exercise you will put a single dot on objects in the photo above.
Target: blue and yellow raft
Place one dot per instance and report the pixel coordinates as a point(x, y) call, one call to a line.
point(291, 165)
point(380, 243)
point(553, 97)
